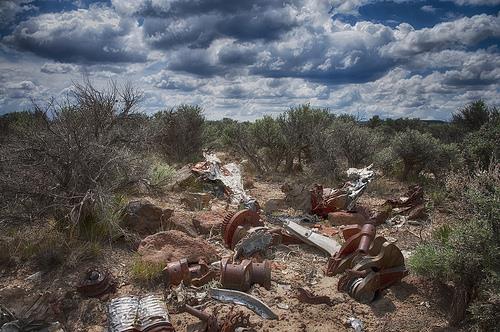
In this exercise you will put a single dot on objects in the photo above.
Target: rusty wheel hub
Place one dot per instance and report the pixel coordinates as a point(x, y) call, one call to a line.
point(245, 218)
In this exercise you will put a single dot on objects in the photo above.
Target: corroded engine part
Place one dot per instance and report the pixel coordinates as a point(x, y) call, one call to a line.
point(358, 241)
point(245, 218)
point(177, 272)
point(371, 274)
point(195, 274)
point(365, 289)
point(242, 276)
point(96, 283)
point(236, 276)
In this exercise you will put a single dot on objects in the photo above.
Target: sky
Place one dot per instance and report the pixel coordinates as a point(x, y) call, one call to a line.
point(246, 59)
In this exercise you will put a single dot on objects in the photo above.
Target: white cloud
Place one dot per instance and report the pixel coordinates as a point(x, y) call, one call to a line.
point(466, 31)
point(96, 34)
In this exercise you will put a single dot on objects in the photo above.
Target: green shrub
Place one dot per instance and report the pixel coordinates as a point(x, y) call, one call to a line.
point(300, 125)
point(467, 253)
point(473, 116)
point(422, 152)
point(357, 144)
point(178, 132)
point(387, 161)
point(481, 147)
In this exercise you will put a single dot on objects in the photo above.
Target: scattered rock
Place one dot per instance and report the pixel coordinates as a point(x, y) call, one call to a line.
point(143, 217)
point(184, 178)
point(417, 213)
point(297, 196)
point(209, 221)
point(274, 204)
point(248, 183)
point(196, 201)
point(168, 246)
point(346, 218)
point(181, 221)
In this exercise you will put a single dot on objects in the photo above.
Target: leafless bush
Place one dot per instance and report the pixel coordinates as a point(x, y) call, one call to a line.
point(61, 152)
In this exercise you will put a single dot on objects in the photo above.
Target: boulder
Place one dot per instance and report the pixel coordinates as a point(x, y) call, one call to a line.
point(297, 196)
point(347, 218)
point(181, 221)
point(169, 246)
point(184, 178)
point(274, 204)
point(208, 222)
point(196, 201)
point(143, 217)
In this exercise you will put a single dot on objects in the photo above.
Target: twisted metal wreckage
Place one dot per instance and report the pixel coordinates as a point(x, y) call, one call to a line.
point(366, 262)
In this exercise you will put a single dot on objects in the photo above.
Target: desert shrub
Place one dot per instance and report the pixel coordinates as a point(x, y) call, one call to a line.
point(355, 143)
point(466, 253)
point(473, 116)
point(300, 126)
point(386, 161)
point(238, 138)
point(62, 154)
point(178, 132)
point(422, 152)
point(481, 147)
point(270, 141)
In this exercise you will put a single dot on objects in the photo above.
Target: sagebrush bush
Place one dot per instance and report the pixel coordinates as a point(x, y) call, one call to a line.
point(178, 132)
point(481, 147)
point(422, 152)
point(357, 144)
point(467, 252)
point(299, 126)
point(58, 154)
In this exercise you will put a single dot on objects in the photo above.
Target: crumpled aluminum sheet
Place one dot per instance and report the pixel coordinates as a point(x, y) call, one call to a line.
point(360, 179)
point(129, 312)
point(230, 176)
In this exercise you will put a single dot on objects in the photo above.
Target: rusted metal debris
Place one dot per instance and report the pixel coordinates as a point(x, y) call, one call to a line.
point(305, 296)
point(194, 274)
point(412, 205)
point(327, 200)
point(242, 276)
point(96, 283)
point(364, 289)
point(229, 323)
point(235, 223)
point(131, 313)
point(370, 263)
point(358, 241)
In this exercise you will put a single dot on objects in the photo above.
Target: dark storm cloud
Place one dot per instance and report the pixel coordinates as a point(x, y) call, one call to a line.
point(197, 24)
point(94, 35)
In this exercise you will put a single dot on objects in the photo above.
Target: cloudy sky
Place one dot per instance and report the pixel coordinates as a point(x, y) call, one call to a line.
point(243, 59)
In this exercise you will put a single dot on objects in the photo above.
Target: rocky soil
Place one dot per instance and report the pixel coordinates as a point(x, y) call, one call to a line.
point(412, 305)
